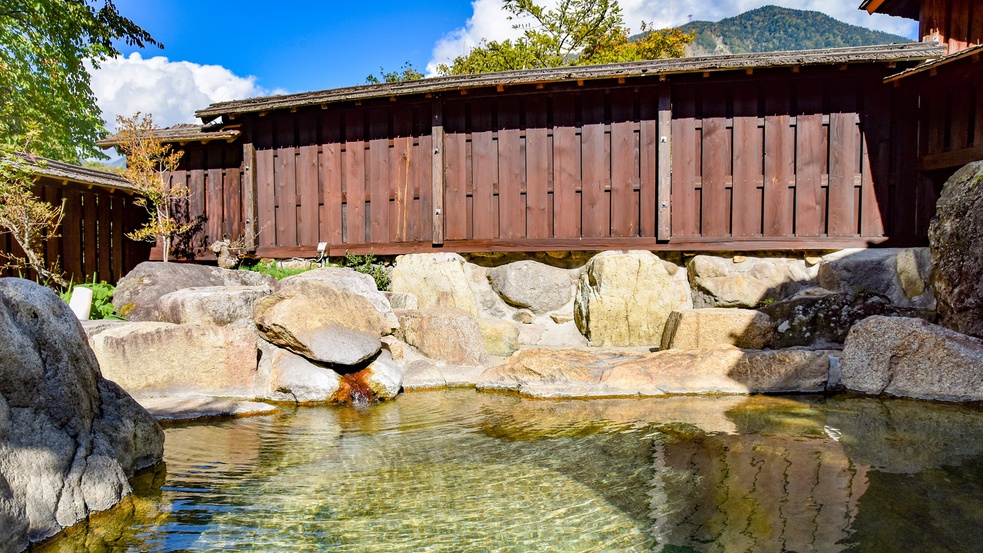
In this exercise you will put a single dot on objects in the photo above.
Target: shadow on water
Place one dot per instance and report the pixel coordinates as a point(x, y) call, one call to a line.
point(444, 471)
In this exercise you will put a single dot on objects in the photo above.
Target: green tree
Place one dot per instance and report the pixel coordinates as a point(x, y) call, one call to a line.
point(576, 32)
point(149, 162)
point(45, 46)
point(406, 72)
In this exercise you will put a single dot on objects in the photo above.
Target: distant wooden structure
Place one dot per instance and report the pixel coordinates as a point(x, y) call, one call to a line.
point(802, 150)
point(99, 209)
point(945, 93)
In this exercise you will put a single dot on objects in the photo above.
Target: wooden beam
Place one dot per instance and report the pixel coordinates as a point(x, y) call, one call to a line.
point(249, 195)
point(437, 168)
point(947, 160)
point(664, 166)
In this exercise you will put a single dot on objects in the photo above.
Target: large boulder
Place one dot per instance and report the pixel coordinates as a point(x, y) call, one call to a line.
point(501, 337)
point(437, 280)
point(349, 280)
point(303, 381)
point(909, 357)
point(137, 293)
point(68, 438)
point(450, 335)
point(956, 238)
point(532, 285)
point(211, 305)
point(582, 373)
point(715, 327)
point(818, 317)
point(900, 275)
point(148, 358)
point(746, 281)
point(322, 322)
point(625, 298)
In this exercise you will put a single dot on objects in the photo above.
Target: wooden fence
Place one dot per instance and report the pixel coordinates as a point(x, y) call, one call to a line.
point(803, 158)
point(91, 242)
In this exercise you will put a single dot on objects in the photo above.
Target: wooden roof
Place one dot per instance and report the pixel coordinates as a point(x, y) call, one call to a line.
point(973, 52)
point(899, 8)
point(67, 172)
point(911, 52)
point(183, 134)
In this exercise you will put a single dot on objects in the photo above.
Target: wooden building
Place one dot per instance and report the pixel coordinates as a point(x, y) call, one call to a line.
point(949, 89)
point(99, 210)
point(802, 150)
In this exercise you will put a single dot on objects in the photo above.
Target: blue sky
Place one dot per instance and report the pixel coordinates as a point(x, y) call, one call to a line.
point(218, 50)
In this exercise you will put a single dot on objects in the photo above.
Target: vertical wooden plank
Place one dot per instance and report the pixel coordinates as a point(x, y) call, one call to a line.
point(331, 176)
point(104, 250)
point(933, 20)
point(249, 206)
point(455, 163)
point(120, 203)
point(875, 169)
point(842, 164)
point(624, 165)
point(595, 156)
point(196, 187)
point(685, 216)
point(52, 254)
point(308, 214)
point(232, 191)
point(286, 182)
point(976, 25)
point(810, 155)
point(511, 211)
point(71, 235)
point(484, 157)
point(401, 167)
point(959, 21)
point(961, 114)
point(90, 235)
point(378, 175)
point(214, 203)
point(566, 168)
point(265, 184)
point(779, 169)
point(664, 167)
point(438, 178)
point(978, 138)
point(747, 161)
point(648, 161)
point(537, 167)
point(355, 176)
point(716, 164)
point(426, 148)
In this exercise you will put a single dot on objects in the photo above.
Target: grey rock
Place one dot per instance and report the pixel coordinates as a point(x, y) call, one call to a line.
point(137, 293)
point(888, 272)
point(450, 335)
point(305, 382)
point(165, 358)
point(402, 300)
point(819, 318)
point(68, 438)
point(321, 322)
point(383, 377)
point(212, 305)
point(956, 239)
point(908, 357)
point(350, 281)
point(719, 282)
point(532, 285)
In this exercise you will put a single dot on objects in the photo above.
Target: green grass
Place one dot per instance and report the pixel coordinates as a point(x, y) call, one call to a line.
point(273, 269)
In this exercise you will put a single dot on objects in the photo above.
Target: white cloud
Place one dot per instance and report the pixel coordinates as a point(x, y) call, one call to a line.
point(170, 90)
point(491, 22)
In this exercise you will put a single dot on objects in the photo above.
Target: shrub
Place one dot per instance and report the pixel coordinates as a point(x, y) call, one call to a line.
point(367, 264)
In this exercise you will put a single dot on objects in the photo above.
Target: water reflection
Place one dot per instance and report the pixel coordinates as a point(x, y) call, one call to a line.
point(458, 470)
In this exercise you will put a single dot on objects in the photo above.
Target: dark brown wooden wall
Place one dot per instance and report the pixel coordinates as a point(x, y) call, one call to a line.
point(956, 24)
point(818, 158)
point(92, 242)
point(951, 117)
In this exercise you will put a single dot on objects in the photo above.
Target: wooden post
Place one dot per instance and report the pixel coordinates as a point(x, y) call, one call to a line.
point(249, 195)
point(664, 177)
point(437, 180)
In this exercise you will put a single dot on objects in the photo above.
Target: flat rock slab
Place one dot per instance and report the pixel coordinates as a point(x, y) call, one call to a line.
point(601, 373)
point(173, 409)
point(424, 375)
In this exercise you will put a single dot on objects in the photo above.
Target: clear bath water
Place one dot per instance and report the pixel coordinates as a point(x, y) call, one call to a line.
point(464, 471)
